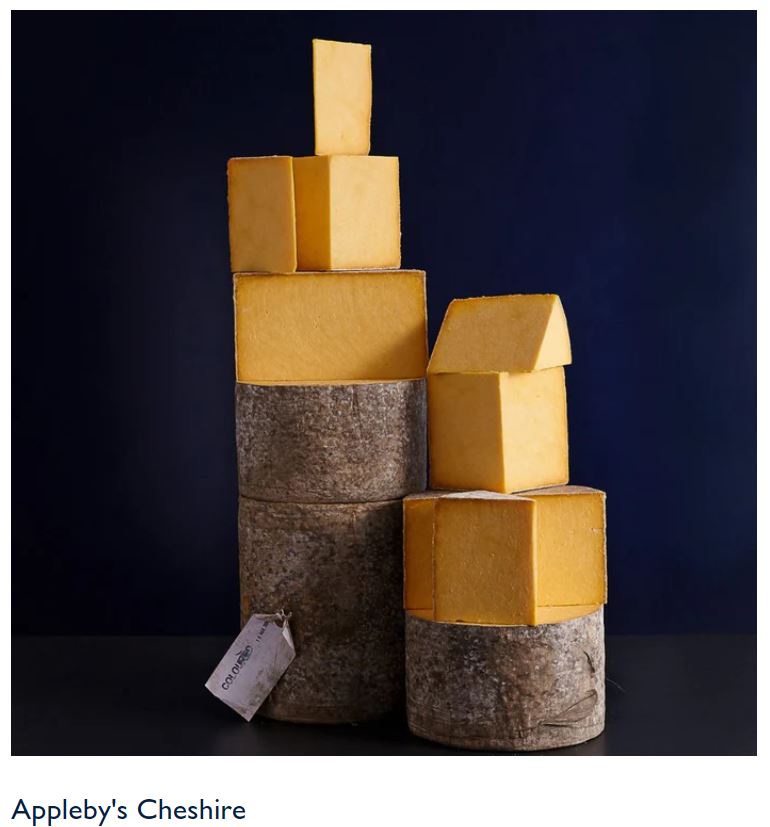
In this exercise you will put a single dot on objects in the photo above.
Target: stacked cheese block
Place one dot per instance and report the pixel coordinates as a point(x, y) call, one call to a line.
point(505, 580)
point(331, 354)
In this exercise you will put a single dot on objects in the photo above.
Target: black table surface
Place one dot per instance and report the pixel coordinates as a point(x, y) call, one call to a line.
point(666, 695)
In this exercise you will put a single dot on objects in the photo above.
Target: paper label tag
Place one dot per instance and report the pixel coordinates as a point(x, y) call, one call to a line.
point(253, 664)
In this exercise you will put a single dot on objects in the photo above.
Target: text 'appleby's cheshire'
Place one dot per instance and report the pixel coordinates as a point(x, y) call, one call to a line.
point(150, 809)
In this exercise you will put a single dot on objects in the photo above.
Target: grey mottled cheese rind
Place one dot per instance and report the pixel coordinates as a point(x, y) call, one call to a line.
point(506, 687)
point(360, 442)
point(338, 570)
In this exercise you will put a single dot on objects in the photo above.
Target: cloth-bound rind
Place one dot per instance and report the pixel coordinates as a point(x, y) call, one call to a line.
point(513, 688)
point(337, 569)
point(359, 442)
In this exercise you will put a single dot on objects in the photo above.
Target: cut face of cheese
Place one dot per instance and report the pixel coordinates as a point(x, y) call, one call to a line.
point(330, 327)
point(498, 431)
point(571, 545)
point(535, 441)
point(418, 551)
point(348, 212)
point(260, 198)
point(465, 431)
point(508, 334)
point(342, 96)
point(484, 563)
point(488, 559)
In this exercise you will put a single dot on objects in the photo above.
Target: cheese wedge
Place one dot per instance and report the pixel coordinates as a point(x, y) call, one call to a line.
point(260, 199)
point(508, 334)
point(330, 327)
point(342, 97)
point(500, 432)
point(530, 558)
point(348, 212)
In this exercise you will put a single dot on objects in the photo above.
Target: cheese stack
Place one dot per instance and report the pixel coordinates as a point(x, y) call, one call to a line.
point(331, 354)
point(504, 585)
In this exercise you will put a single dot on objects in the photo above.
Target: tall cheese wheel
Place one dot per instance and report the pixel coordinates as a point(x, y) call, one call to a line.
point(361, 442)
point(338, 570)
point(506, 687)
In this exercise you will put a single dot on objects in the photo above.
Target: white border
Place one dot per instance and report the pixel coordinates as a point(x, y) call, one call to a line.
point(467, 790)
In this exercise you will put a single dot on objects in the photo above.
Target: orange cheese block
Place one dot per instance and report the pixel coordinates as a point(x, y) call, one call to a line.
point(529, 558)
point(330, 327)
point(260, 200)
point(342, 97)
point(348, 212)
point(499, 432)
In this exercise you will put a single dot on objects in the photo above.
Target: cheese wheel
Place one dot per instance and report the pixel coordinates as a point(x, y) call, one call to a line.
point(505, 687)
point(337, 569)
point(359, 442)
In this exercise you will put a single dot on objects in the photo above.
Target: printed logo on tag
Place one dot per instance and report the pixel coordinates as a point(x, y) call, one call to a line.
point(254, 663)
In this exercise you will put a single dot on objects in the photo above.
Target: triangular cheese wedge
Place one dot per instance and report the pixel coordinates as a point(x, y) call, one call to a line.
point(507, 334)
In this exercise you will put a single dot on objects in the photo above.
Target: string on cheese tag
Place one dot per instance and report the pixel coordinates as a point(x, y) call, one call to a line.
point(254, 663)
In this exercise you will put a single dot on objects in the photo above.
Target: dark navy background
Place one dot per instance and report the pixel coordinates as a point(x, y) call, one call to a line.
point(610, 158)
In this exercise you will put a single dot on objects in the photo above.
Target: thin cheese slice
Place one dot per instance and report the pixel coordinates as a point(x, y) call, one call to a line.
point(330, 327)
point(498, 431)
point(342, 96)
point(511, 334)
point(260, 198)
point(348, 212)
point(479, 563)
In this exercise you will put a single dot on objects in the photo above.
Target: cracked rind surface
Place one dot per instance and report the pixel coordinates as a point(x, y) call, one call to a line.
point(361, 442)
point(337, 568)
point(514, 688)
